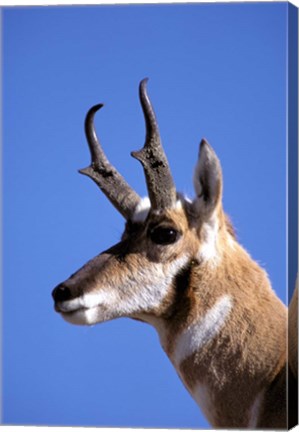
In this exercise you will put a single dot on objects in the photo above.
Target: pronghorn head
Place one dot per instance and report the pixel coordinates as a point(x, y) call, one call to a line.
point(165, 234)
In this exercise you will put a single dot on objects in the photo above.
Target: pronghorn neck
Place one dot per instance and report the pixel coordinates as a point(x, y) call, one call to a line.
point(179, 267)
point(224, 358)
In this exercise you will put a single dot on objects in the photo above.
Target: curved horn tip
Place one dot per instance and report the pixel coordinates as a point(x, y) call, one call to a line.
point(143, 83)
point(144, 80)
point(94, 109)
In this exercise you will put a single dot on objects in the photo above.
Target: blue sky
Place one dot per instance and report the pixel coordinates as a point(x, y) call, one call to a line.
point(216, 70)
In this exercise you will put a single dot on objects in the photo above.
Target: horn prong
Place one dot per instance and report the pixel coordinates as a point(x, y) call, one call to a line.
point(160, 185)
point(112, 184)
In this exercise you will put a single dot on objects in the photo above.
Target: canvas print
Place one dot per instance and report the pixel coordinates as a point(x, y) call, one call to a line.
point(150, 195)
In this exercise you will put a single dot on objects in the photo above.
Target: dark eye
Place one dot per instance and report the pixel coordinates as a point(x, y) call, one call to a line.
point(163, 235)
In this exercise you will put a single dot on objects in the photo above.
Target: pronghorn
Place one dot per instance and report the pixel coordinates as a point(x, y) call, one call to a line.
point(180, 268)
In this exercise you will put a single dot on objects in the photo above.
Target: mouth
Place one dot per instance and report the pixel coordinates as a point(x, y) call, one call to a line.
point(58, 307)
point(73, 315)
point(70, 305)
point(81, 315)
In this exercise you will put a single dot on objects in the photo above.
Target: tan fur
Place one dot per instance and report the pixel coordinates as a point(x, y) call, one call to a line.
point(293, 332)
point(250, 349)
point(239, 374)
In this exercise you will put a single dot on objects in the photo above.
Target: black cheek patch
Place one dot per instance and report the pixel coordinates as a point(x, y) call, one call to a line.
point(181, 302)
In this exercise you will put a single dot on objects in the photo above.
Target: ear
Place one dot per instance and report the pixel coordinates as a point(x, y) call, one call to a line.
point(207, 181)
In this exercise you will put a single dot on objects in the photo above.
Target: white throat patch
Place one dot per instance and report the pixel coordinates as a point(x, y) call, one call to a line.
point(202, 331)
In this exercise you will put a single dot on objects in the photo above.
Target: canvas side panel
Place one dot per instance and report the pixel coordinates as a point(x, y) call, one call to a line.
point(292, 142)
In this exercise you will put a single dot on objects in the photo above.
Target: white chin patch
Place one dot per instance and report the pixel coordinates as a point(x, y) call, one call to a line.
point(84, 316)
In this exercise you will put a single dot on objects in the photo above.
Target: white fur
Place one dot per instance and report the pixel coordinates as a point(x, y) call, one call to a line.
point(81, 316)
point(178, 205)
point(142, 210)
point(88, 300)
point(145, 290)
point(202, 331)
point(231, 242)
point(209, 234)
point(141, 292)
point(71, 305)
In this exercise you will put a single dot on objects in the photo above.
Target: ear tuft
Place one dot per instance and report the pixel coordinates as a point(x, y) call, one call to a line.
point(207, 179)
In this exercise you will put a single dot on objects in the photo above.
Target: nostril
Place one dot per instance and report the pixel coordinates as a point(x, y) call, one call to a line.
point(61, 293)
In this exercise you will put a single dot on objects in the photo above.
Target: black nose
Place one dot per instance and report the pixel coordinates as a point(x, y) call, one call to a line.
point(61, 293)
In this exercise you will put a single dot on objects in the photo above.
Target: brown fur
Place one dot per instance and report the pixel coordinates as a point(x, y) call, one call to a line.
point(293, 333)
point(249, 353)
point(292, 372)
point(243, 368)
